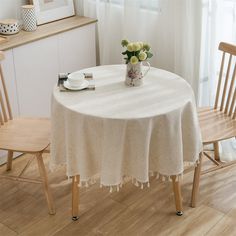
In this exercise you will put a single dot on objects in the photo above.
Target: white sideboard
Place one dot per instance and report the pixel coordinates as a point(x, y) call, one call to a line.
point(33, 61)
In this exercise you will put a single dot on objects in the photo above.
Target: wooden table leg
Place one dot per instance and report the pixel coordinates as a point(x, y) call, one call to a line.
point(196, 180)
point(177, 195)
point(9, 160)
point(75, 197)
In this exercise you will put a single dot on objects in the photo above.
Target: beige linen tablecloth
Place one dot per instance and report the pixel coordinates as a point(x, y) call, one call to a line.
point(118, 131)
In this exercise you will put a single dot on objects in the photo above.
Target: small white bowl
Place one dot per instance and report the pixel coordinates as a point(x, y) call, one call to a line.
point(76, 79)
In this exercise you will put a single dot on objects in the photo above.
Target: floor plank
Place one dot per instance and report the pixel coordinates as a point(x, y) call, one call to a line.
point(226, 226)
point(132, 211)
point(196, 222)
point(4, 230)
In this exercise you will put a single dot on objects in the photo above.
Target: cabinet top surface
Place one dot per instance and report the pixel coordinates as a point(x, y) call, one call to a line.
point(45, 31)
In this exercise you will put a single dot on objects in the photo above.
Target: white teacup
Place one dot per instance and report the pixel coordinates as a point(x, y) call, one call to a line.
point(76, 79)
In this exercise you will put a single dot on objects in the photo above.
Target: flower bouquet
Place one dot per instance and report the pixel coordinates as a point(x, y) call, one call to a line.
point(135, 54)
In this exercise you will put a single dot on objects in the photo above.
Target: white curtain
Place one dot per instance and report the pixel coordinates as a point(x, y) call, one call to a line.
point(182, 34)
point(171, 27)
point(218, 24)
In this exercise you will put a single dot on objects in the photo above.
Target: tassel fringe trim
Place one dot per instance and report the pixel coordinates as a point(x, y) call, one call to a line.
point(137, 183)
point(116, 188)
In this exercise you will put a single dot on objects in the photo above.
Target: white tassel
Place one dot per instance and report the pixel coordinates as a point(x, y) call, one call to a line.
point(132, 180)
point(136, 183)
point(148, 185)
point(111, 189)
point(124, 179)
point(117, 188)
point(169, 179)
point(80, 184)
point(163, 178)
point(141, 185)
point(100, 185)
point(151, 173)
point(121, 185)
point(86, 184)
point(157, 176)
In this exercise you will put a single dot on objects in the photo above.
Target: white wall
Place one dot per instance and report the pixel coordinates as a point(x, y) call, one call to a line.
point(11, 8)
point(78, 7)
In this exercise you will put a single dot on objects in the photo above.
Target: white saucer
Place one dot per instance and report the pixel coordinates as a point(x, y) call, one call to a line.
point(84, 85)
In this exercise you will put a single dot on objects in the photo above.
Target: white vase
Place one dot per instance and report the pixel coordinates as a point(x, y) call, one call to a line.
point(134, 74)
point(29, 18)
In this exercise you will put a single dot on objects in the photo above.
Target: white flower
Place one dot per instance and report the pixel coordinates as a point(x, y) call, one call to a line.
point(130, 47)
point(136, 47)
point(142, 56)
point(133, 60)
point(141, 44)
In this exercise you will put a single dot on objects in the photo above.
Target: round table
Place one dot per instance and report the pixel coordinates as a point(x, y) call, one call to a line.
point(116, 130)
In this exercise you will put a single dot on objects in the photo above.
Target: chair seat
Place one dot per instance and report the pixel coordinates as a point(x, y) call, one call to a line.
point(215, 125)
point(25, 135)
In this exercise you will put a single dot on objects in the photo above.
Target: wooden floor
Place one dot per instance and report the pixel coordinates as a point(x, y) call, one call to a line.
point(132, 211)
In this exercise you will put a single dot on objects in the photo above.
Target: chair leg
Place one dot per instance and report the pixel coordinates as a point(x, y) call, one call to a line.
point(46, 187)
point(216, 151)
point(9, 160)
point(75, 197)
point(196, 180)
point(177, 195)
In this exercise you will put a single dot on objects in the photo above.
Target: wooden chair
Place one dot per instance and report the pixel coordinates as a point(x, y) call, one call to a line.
point(24, 135)
point(219, 123)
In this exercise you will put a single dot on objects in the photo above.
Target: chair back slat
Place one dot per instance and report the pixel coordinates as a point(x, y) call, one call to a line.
point(234, 116)
point(230, 92)
point(219, 81)
point(6, 113)
point(225, 99)
point(1, 119)
point(226, 83)
point(3, 107)
point(232, 103)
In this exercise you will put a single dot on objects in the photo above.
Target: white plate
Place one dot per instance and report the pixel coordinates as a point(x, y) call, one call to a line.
point(84, 85)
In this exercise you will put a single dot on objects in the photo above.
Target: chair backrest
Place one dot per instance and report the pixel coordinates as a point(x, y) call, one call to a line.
point(226, 91)
point(5, 108)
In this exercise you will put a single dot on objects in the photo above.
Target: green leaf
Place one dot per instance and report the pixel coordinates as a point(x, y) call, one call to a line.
point(130, 54)
point(137, 53)
point(124, 53)
point(149, 54)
